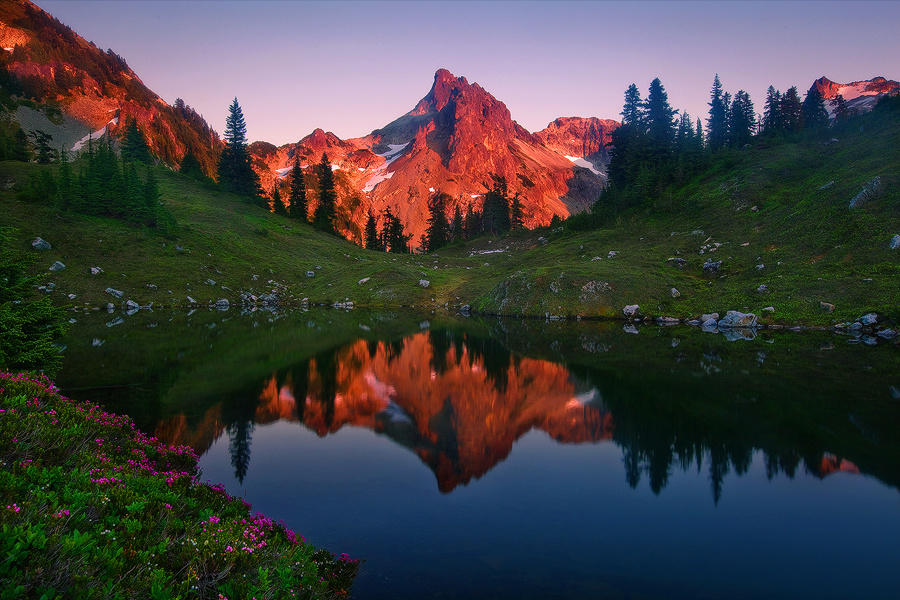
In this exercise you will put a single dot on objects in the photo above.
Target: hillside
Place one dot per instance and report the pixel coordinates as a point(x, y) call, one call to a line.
point(773, 206)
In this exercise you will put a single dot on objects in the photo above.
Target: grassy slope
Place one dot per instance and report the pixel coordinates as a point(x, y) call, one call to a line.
point(827, 252)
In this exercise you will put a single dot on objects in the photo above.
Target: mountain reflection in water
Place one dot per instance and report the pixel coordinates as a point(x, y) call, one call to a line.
point(460, 403)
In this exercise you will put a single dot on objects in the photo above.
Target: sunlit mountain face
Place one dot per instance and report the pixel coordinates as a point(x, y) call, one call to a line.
point(460, 403)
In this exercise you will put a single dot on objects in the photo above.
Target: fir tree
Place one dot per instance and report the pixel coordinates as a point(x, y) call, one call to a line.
point(791, 111)
point(191, 167)
point(515, 212)
point(684, 135)
point(41, 141)
point(297, 199)
point(495, 215)
point(659, 115)
point(235, 171)
point(632, 111)
point(134, 143)
point(326, 211)
point(839, 106)
point(773, 121)
point(743, 120)
point(372, 240)
point(437, 235)
point(716, 124)
point(699, 132)
point(277, 205)
point(814, 114)
point(457, 225)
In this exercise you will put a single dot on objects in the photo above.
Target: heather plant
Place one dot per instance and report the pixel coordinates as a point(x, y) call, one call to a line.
point(90, 507)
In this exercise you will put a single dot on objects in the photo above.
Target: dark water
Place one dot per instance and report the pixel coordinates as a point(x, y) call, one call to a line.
point(506, 459)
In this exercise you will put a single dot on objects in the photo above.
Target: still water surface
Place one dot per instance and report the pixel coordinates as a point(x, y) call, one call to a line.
point(506, 459)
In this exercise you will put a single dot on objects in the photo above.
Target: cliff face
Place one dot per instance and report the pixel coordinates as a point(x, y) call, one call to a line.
point(453, 141)
point(861, 96)
point(96, 89)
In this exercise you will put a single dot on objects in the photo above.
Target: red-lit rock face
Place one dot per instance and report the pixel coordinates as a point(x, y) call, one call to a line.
point(453, 141)
point(861, 96)
point(459, 416)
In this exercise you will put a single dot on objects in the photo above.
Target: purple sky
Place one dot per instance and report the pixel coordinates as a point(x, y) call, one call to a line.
point(351, 67)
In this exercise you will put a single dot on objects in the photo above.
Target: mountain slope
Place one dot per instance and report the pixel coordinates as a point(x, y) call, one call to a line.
point(861, 96)
point(94, 89)
point(452, 141)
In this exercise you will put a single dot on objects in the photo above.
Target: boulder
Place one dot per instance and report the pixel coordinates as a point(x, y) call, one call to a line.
point(363, 280)
point(57, 266)
point(116, 321)
point(826, 306)
point(612, 254)
point(769, 309)
point(736, 319)
point(222, 304)
point(868, 319)
point(96, 270)
point(131, 305)
point(424, 283)
point(760, 267)
point(677, 261)
point(465, 309)
point(707, 316)
point(762, 289)
point(115, 292)
point(887, 334)
point(631, 310)
point(191, 300)
point(712, 266)
point(895, 241)
point(210, 282)
point(710, 326)
point(868, 192)
point(675, 293)
point(310, 273)
point(40, 244)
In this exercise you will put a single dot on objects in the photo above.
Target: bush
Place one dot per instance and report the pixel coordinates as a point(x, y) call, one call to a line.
point(92, 508)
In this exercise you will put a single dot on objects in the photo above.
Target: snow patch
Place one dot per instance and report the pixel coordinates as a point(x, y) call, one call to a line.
point(335, 167)
point(475, 196)
point(283, 172)
point(583, 163)
point(93, 135)
point(381, 173)
point(431, 190)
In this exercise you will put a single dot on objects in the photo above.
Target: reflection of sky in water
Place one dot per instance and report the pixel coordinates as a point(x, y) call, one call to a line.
point(556, 520)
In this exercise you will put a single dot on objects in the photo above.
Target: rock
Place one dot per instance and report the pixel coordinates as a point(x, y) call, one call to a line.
point(595, 287)
point(733, 335)
point(736, 319)
point(114, 322)
point(712, 266)
point(754, 208)
point(57, 266)
point(363, 280)
point(71, 296)
point(152, 286)
point(424, 283)
point(887, 334)
point(868, 319)
point(826, 186)
point(612, 254)
point(895, 241)
point(115, 292)
point(667, 321)
point(895, 392)
point(868, 192)
point(596, 258)
point(869, 340)
point(96, 270)
point(631, 310)
point(254, 277)
point(40, 244)
point(310, 273)
point(97, 342)
point(629, 328)
point(191, 300)
point(762, 289)
point(826, 306)
point(210, 282)
point(707, 316)
point(222, 304)
point(678, 262)
point(675, 293)
point(131, 305)
point(769, 309)
point(465, 309)
point(760, 267)
point(710, 326)
point(110, 307)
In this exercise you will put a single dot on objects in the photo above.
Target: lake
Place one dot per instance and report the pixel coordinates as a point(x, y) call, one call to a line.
point(487, 458)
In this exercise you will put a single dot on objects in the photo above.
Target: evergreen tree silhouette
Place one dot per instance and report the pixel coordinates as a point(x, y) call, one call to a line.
point(325, 214)
point(297, 199)
point(235, 172)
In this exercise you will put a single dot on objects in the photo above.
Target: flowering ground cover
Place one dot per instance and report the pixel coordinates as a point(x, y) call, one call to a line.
point(91, 507)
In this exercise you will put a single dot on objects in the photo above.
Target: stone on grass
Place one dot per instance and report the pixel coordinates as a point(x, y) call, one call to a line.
point(769, 309)
point(707, 316)
point(712, 266)
point(736, 319)
point(96, 270)
point(826, 306)
point(115, 292)
point(310, 273)
point(762, 289)
point(631, 310)
point(612, 254)
point(424, 283)
point(677, 261)
point(40, 244)
point(895, 241)
point(191, 300)
point(869, 191)
point(868, 319)
point(675, 293)
point(363, 280)
point(57, 266)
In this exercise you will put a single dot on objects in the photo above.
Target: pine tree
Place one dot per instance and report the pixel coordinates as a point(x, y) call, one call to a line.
point(191, 167)
point(372, 240)
point(659, 115)
point(684, 136)
point(791, 111)
point(814, 114)
point(297, 199)
point(235, 171)
point(632, 111)
point(134, 143)
point(772, 117)
point(839, 106)
point(699, 139)
point(495, 219)
point(325, 214)
point(726, 100)
point(386, 222)
point(515, 213)
point(437, 234)
point(743, 120)
point(277, 205)
point(457, 226)
point(716, 124)
point(41, 141)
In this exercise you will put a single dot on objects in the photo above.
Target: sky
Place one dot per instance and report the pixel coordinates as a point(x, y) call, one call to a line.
point(351, 67)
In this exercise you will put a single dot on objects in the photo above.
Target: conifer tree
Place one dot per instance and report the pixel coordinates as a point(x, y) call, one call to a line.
point(277, 204)
point(151, 198)
point(839, 106)
point(742, 121)
point(699, 134)
point(495, 215)
point(515, 212)
point(386, 223)
point(716, 124)
point(191, 167)
point(632, 111)
point(134, 143)
point(235, 171)
point(772, 118)
point(325, 214)
point(659, 115)
point(297, 199)
point(66, 187)
point(814, 114)
point(457, 226)
point(791, 111)
point(372, 240)
point(41, 141)
point(437, 233)
point(684, 135)
point(21, 149)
